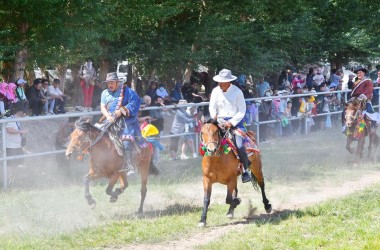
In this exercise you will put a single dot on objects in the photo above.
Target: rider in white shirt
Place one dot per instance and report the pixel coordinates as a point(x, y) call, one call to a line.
point(227, 105)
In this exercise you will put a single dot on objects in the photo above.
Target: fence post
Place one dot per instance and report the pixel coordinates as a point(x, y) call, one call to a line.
point(258, 128)
point(5, 170)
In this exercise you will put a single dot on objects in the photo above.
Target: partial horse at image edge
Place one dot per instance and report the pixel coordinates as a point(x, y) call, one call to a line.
point(358, 126)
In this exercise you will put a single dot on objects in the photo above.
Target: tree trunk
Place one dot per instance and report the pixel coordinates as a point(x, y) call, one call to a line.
point(62, 70)
point(21, 55)
point(134, 82)
point(152, 75)
point(77, 94)
point(104, 69)
point(20, 63)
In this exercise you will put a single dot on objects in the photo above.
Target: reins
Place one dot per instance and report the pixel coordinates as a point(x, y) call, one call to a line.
point(216, 143)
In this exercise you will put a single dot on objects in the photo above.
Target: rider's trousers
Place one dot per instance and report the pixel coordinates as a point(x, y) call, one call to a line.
point(241, 151)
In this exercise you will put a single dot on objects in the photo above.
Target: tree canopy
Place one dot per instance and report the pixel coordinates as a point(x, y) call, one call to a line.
point(164, 37)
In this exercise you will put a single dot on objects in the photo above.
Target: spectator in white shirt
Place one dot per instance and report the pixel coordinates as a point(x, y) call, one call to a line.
point(60, 98)
point(227, 105)
point(13, 138)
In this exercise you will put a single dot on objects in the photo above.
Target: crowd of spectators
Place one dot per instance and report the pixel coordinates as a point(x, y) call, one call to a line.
point(40, 98)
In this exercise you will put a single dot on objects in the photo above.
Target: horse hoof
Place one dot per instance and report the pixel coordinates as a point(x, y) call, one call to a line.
point(268, 209)
point(230, 216)
point(113, 199)
point(202, 224)
point(92, 203)
point(139, 214)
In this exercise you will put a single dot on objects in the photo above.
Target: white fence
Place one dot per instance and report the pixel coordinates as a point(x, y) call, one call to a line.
point(4, 158)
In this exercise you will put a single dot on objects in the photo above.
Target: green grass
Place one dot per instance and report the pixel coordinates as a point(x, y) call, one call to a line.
point(349, 223)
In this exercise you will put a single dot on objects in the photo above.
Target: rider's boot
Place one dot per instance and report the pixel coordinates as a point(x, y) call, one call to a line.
point(246, 176)
point(130, 164)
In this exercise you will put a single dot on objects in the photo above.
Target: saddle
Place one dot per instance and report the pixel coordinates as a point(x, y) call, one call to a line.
point(249, 141)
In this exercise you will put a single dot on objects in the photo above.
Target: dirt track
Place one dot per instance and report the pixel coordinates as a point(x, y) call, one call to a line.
point(301, 199)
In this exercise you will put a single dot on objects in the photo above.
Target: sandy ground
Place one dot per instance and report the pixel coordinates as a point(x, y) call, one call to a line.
point(300, 199)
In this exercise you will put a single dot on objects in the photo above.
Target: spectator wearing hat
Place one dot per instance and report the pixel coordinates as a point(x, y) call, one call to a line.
point(14, 135)
point(60, 98)
point(20, 94)
point(36, 100)
point(181, 119)
point(87, 77)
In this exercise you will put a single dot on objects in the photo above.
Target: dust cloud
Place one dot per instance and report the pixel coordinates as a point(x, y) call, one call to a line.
point(47, 196)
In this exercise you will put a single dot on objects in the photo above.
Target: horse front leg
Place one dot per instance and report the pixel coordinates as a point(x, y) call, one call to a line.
point(231, 198)
point(111, 184)
point(348, 144)
point(87, 178)
point(360, 148)
point(123, 183)
point(207, 187)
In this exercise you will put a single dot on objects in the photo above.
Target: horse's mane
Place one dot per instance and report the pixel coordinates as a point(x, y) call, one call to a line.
point(213, 121)
point(83, 124)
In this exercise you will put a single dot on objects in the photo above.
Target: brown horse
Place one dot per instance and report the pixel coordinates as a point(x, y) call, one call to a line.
point(358, 127)
point(106, 161)
point(219, 167)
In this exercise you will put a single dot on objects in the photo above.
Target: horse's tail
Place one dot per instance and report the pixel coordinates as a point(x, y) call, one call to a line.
point(255, 183)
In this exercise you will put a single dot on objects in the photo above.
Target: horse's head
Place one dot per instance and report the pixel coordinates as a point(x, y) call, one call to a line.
point(80, 139)
point(353, 111)
point(211, 136)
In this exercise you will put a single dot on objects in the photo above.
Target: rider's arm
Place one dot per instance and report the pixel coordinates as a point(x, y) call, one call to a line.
point(212, 106)
point(105, 111)
point(241, 106)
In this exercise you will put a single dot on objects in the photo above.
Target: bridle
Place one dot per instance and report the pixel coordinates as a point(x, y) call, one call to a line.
point(217, 143)
point(355, 116)
point(85, 144)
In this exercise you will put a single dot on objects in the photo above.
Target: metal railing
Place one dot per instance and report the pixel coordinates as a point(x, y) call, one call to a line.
point(93, 113)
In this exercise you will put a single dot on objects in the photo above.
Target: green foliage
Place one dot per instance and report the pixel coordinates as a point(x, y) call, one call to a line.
point(167, 35)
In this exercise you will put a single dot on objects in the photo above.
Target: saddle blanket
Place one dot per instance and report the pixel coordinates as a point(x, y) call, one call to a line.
point(248, 141)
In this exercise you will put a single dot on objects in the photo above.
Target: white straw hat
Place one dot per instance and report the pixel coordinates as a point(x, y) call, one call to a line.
point(224, 76)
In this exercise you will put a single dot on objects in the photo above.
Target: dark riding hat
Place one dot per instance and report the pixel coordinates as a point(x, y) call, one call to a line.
point(112, 77)
point(360, 68)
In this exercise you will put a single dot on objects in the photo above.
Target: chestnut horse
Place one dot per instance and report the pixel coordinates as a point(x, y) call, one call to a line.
point(106, 161)
point(219, 167)
point(357, 128)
